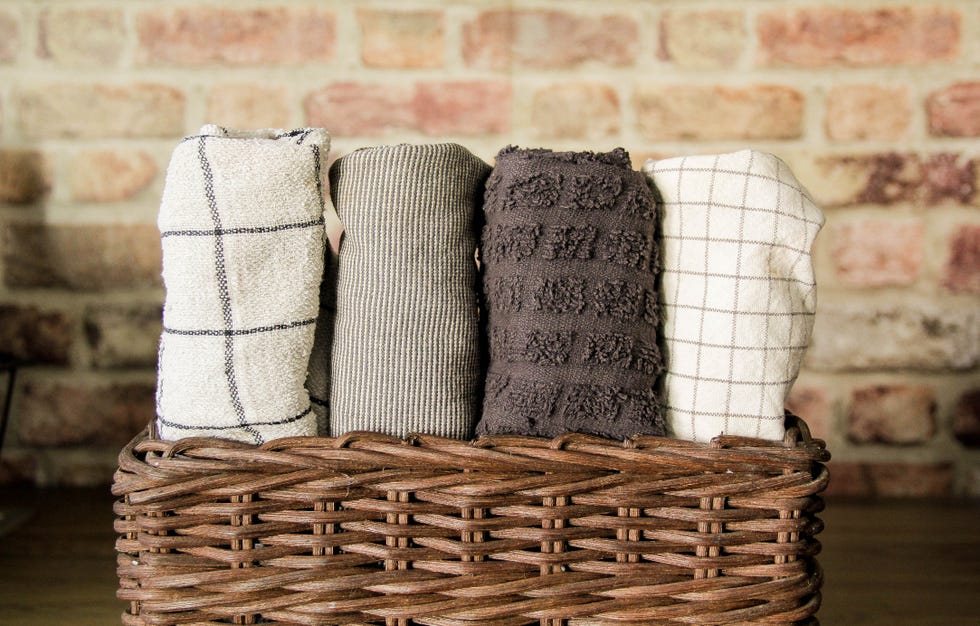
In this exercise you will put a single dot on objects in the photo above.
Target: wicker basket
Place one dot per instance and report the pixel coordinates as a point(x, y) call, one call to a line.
point(369, 529)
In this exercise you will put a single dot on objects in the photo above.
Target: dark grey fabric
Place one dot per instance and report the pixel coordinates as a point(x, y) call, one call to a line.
point(570, 263)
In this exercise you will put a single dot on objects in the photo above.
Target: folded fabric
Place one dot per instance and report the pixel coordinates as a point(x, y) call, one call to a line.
point(241, 225)
point(406, 356)
point(318, 373)
point(738, 290)
point(570, 265)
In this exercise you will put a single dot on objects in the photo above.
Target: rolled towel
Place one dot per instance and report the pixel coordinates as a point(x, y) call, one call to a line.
point(318, 373)
point(241, 225)
point(406, 355)
point(570, 264)
point(738, 290)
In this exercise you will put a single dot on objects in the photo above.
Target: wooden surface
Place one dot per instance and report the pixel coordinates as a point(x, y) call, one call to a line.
point(903, 563)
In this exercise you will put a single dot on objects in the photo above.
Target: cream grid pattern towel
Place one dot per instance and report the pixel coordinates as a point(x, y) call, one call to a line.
point(241, 223)
point(738, 290)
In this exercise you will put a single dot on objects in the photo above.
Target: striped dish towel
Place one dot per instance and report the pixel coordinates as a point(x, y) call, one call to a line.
point(405, 356)
point(241, 225)
point(738, 290)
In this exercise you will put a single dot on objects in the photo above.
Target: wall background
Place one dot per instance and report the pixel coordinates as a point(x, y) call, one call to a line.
point(876, 106)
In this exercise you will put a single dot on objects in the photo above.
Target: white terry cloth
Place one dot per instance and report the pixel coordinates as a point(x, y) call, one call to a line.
point(738, 290)
point(242, 230)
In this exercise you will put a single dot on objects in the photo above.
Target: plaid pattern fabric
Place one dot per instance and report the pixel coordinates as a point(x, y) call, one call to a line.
point(738, 290)
point(241, 223)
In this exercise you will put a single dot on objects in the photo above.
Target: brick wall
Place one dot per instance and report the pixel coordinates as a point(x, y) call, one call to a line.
point(876, 105)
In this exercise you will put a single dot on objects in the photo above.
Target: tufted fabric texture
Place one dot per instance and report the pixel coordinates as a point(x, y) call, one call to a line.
point(570, 264)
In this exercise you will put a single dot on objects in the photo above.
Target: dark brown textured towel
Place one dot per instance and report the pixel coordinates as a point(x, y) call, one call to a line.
point(570, 266)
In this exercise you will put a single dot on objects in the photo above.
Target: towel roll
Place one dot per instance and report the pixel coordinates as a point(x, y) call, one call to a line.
point(738, 290)
point(318, 374)
point(406, 355)
point(570, 265)
point(242, 231)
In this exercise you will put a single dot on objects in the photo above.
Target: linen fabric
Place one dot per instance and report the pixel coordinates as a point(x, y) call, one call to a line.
point(242, 231)
point(570, 265)
point(738, 290)
point(406, 355)
point(318, 373)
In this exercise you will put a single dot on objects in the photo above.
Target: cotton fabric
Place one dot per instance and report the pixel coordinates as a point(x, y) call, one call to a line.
point(738, 290)
point(241, 222)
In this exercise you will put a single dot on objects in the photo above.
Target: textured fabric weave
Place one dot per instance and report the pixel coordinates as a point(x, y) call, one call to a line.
point(738, 290)
point(406, 355)
point(318, 375)
point(241, 224)
point(569, 277)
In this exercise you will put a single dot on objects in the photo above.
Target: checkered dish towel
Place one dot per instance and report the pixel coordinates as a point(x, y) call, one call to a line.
point(738, 290)
point(242, 229)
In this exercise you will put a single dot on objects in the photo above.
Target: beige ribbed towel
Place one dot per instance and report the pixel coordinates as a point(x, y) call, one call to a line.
point(241, 223)
point(406, 355)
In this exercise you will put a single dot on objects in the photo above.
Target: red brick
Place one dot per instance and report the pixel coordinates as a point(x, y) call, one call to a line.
point(891, 178)
point(878, 252)
point(248, 106)
point(18, 468)
point(856, 112)
point(814, 406)
point(849, 480)
point(463, 108)
point(123, 335)
point(966, 419)
point(81, 256)
point(59, 414)
point(401, 39)
point(254, 36)
point(87, 111)
point(34, 335)
point(24, 176)
point(86, 36)
point(915, 333)
point(949, 178)
point(356, 109)
point(700, 112)
point(702, 38)
point(501, 38)
point(9, 36)
point(575, 111)
point(897, 414)
point(110, 175)
point(823, 36)
point(85, 467)
point(914, 480)
point(972, 482)
point(955, 111)
point(962, 272)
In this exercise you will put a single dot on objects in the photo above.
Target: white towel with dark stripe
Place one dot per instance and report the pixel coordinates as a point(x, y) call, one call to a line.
point(406, 357)
point(738, 290)
point(243, 238)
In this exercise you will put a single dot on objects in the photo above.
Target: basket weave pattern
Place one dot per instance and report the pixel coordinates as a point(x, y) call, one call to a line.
point(369, 529)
